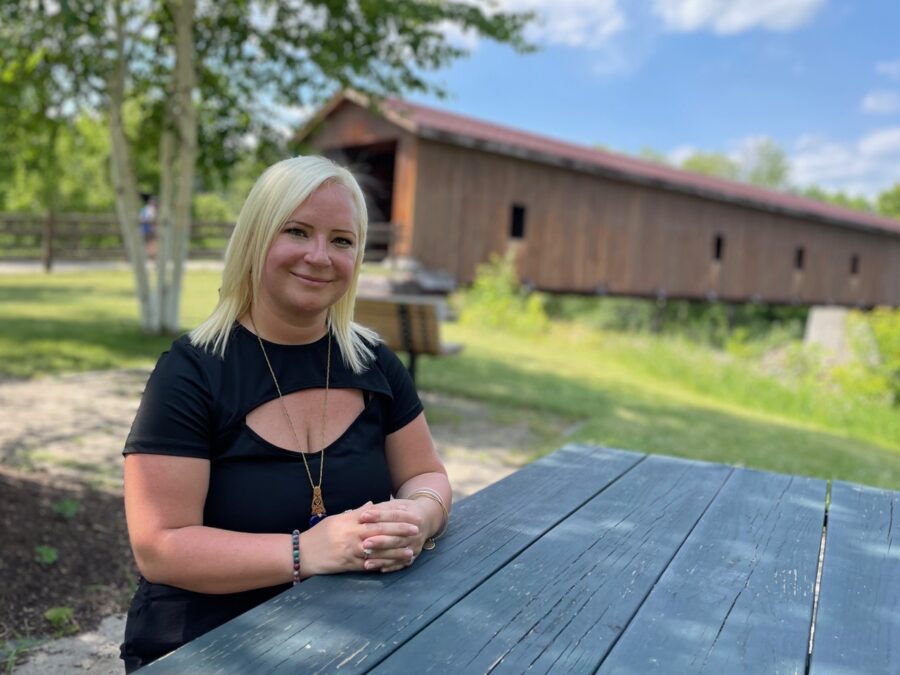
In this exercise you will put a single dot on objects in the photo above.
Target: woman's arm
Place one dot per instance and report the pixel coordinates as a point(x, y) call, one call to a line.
point(413, 463)
point(164, 498)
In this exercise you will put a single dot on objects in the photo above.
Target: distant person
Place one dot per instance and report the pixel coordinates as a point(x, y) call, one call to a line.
point(276, 412)
point(148, 225)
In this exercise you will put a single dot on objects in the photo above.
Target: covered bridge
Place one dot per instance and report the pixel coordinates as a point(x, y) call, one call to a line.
point(589, 221)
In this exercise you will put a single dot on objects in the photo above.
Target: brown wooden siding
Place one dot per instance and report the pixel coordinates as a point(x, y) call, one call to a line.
point(586, 233)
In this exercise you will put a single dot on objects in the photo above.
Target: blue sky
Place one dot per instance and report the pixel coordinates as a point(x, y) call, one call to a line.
point(819, 77)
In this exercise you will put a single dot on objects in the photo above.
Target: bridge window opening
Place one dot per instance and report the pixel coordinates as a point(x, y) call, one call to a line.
point(798, 258)
point(854, 265)
point(517, 222)
point(718, 248)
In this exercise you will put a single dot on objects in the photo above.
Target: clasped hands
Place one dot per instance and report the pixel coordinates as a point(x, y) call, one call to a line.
point(383, 537)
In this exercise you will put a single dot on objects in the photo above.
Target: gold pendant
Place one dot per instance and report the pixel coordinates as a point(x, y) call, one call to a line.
point(318, 505)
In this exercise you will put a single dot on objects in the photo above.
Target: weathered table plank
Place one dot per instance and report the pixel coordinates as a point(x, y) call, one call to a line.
point(858, 619)
point(562, 603)
point(352, 622)
point(738, 597)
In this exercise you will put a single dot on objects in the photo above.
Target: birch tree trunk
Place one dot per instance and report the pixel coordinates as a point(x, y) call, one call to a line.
point(166, 209)
point(186, 119)
point(125, 182)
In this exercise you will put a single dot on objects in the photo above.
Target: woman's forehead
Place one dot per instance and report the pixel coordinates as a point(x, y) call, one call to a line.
point(330, 203)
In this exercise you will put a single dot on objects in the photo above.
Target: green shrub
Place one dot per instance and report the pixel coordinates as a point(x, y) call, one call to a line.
point(212, 206)
point(62, 619)
point(68, 508)
point(497, 300)
point(885, 325)
point(604, 313)
point(46, 555)
point(746, 329)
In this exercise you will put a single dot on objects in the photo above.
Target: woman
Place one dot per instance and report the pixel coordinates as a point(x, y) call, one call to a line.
point(274, 413)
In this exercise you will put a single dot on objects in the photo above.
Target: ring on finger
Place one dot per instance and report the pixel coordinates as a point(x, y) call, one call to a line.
point(366, 553)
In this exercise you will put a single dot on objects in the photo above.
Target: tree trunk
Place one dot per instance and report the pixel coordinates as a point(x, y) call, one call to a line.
point(51, 193)
point(47, 241)
point(165, 213)
point(186, 117)
point(125, 184)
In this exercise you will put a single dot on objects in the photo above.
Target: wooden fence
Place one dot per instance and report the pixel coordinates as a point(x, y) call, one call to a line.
point(96, 236)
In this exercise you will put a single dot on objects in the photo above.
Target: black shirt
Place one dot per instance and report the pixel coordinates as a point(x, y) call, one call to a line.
point(196, 404)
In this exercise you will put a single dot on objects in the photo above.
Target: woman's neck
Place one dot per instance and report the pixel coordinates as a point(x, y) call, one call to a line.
point(296, 331)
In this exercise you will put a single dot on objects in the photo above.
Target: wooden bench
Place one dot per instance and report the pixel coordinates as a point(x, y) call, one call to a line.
point(407, 323)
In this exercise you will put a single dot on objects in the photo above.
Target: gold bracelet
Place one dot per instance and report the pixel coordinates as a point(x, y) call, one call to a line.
point(434, 496)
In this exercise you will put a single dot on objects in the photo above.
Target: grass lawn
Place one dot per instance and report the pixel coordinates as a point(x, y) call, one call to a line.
point(635, 392)
point(76, 321)
point(616, 393)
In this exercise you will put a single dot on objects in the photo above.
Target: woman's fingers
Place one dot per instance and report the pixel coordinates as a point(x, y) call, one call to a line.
point(383, 542)
point(389, 559)
point(389, 515)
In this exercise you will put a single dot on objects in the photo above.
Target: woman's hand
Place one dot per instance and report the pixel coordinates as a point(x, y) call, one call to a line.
point(336, 544)
point(388, 552)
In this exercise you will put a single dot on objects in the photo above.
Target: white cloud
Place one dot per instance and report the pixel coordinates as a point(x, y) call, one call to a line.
point(866, 166)
point(882, 143)
point(467, 39)
point(572, 23)
point(680, 153)
point(889, 68)
point(735, 16)
point(881, 102)
point(744, 151)
point(586, 24)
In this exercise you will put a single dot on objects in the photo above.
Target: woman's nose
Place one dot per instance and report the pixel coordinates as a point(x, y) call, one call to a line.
point(317, 253)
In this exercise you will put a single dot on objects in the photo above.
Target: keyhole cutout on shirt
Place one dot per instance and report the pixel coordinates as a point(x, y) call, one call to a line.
point(305, 409)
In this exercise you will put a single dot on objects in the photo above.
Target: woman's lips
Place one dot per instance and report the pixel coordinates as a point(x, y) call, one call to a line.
point(315, 281)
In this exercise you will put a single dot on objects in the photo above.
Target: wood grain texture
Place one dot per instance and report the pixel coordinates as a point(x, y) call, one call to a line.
point(561, 604)
point(351, 622)
point(858, 619)
point(738, 597)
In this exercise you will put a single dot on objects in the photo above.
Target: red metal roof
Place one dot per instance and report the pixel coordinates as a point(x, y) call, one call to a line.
point(442, 125)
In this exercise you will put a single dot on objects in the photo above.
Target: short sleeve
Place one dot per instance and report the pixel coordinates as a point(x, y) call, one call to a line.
point(175, 414)
point(406, 405)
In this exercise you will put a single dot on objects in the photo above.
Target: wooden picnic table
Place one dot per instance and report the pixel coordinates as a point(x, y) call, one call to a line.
point(594, 560)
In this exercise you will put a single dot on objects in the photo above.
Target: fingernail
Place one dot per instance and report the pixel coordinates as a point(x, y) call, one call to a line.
point(369, 564)
point(368, 546)
point(413, 529)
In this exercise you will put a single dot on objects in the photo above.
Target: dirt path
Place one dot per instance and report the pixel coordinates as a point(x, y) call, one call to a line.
point(72, 428)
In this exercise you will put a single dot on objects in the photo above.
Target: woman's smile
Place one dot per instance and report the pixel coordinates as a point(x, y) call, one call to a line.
point(316, 282)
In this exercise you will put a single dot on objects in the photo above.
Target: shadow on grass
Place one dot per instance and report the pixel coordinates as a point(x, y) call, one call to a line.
point(52, 345)
point(54, 292)
point(617, 415)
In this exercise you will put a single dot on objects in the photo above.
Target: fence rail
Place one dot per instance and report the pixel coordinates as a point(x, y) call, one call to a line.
point(96, 236)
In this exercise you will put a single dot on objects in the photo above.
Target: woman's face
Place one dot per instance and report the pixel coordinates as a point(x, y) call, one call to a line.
point(310, 263)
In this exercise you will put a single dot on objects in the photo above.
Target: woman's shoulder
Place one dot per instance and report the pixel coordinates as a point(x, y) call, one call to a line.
point(185, 359)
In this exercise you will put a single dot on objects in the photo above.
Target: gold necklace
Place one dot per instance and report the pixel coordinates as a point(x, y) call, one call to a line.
point(318, 504)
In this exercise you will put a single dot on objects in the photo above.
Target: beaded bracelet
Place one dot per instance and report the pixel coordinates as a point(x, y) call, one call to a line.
point(434, 496)
point(295, 544)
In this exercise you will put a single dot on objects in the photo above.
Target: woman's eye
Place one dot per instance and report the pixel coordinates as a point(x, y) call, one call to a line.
point(343, 242)
point(296, 232)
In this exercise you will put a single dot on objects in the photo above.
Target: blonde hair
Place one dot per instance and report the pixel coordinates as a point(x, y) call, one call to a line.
point(277, 193)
